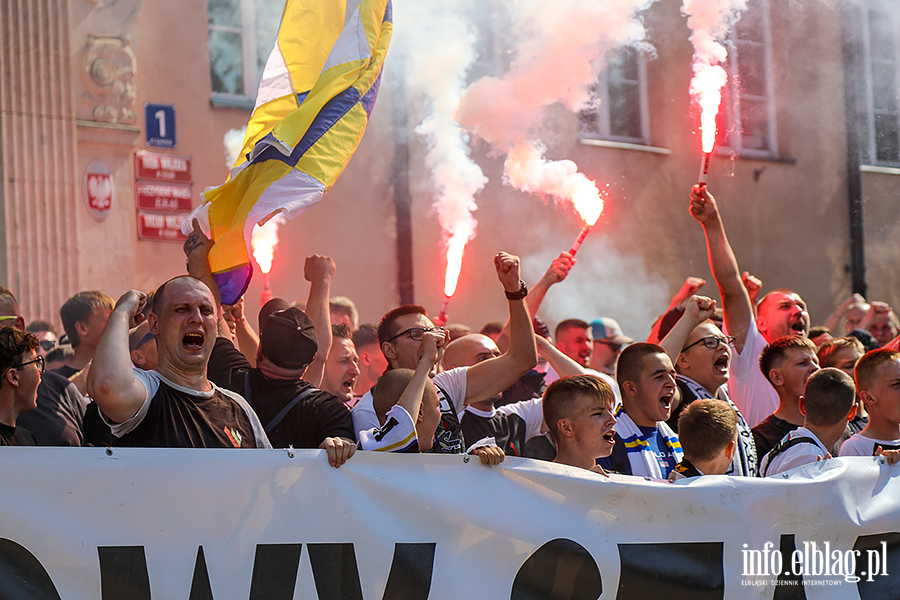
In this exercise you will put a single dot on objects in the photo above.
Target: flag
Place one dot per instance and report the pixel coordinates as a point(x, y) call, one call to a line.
point(315, 98)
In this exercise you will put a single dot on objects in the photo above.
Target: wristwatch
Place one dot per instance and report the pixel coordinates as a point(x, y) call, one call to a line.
point(519, 294)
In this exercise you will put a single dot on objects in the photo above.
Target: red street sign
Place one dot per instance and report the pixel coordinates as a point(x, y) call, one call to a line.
point(160, 227)
point(162, 167)
point(98, 190)
point(163, 197)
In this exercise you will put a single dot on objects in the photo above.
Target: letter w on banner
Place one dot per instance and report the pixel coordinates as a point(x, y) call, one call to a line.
point(315, 98)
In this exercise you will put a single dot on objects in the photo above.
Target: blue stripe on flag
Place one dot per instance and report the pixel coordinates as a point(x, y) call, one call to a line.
point(232, 284)
point(301, 97)
point(368, 101)
point(388, 13)
point(330, 114)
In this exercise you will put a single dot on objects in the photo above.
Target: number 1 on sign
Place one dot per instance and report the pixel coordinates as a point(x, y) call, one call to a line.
point(161, 118)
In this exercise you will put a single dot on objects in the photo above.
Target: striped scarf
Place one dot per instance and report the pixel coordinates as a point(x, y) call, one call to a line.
point(745, 460)
point(640, 457)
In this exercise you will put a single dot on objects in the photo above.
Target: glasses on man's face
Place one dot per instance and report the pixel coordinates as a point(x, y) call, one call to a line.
point(48, 345)
point(416, 334)
point(712, 342)
point(39, 360)
point(8, 317)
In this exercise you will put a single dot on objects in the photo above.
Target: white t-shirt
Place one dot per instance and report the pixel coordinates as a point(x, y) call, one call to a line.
point(859, 445)
point(453, 382)
point(797, 455)
point(398, 434)
point(748, 388)
point(552, 376)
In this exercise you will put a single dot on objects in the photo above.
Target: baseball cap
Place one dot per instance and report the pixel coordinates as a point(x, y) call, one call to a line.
point(607, 329)
point(287, 337)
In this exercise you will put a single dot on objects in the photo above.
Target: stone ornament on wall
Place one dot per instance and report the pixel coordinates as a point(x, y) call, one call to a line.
point(109, 68)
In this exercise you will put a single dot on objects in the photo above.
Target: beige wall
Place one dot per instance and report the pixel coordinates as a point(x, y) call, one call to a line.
point(787, 219)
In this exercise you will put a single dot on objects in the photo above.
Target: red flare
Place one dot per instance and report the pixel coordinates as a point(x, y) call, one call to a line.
point(580, 239)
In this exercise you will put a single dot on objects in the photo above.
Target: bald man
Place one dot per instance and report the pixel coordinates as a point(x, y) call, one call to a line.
point(511, 425)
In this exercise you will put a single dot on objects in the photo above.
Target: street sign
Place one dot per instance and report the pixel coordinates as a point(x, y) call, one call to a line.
point(162, 167)
point(160, 227)
point(159, 123)
point(162, 197)
point(98, 190)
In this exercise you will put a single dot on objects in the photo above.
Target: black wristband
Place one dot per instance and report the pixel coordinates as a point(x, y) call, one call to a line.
point(517, 295)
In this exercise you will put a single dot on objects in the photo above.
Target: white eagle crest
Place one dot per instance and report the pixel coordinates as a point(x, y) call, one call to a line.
point(100, 190)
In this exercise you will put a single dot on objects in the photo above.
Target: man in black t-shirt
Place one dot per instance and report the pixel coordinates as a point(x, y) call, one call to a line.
point(287, 346)
point(57, 420)
point(787, 363)
point(20, 376)
point(175, 405)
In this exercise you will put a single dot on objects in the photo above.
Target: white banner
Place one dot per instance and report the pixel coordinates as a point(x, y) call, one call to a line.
point(78, 524)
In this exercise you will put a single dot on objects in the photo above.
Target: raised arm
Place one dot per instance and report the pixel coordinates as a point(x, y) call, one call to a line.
point(690, 285)
point(196, 249)
point(318, 271)
point(724, 266)
point(562, 364)
point(111, 382)
point(556, 273)
point(432, 350)
point(495, 375)
point(698, 309)
point(246, 337)
point(833, 322)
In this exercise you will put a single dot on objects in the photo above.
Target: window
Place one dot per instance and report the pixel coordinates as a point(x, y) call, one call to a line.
point(882, 29)
point(746, 120)
point(620, 112)
point(241, 36)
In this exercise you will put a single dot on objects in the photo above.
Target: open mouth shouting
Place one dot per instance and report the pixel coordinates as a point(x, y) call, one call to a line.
point(192, 341)
point(722, 363)
point(665, 402)
point(610, 437)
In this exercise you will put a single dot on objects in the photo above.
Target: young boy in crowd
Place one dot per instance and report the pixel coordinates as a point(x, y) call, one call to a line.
point(878, 384)
point(828, 403)
point(645, 445)
point(401, 393)
point(708, 433)
point(578, 411)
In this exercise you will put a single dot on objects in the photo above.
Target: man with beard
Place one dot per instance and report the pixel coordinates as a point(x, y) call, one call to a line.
point(702, 356)
point(175, 405)
point(645, 446)
point(781, 312)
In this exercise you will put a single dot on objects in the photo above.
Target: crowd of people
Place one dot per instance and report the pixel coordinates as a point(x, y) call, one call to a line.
point(747, 388)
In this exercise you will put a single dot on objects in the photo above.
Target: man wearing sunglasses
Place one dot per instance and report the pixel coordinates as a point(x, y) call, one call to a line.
point(58, 418)
point(780, 313)
point(702, 356)
point(401, 332)
point(20, 376)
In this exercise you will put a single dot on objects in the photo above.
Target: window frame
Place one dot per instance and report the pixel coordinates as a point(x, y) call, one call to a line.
point(735, 136)
point(893, 12)
point(602, 110)
point(249, 58)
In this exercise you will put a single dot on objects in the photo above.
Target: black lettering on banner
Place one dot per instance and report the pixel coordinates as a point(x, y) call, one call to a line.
point(411, 572)
point(674, 571)
point(789, 586)
point(123, 573)
point(335, 571)
point(883, 584)
point(275, 571)
point(200, 587)
point(22, 576)
point(561, 569)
